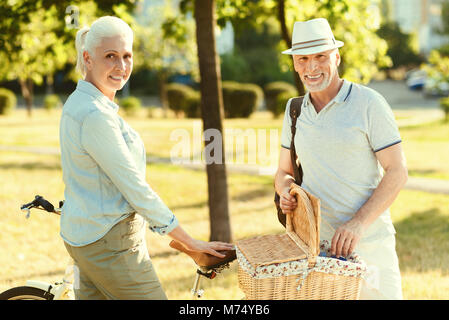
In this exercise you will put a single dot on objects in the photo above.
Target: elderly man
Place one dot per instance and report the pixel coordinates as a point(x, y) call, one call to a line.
point(346, 134)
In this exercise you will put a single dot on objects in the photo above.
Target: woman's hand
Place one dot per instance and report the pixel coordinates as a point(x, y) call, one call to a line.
point(191, 244)
point(209, 247)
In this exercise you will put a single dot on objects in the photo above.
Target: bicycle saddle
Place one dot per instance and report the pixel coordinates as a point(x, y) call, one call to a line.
point(205, 260)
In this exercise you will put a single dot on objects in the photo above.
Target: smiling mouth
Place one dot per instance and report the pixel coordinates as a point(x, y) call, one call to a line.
point(117, 78)
point(309, 77)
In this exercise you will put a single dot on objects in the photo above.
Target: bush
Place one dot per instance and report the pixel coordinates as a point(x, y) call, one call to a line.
point(240, 99)
point(444, 104)
point(8, 101)
point(131, 105)
point(272, 92)
point(182, 98)
point(281, 102)
point(193, 106)
point(52, 101)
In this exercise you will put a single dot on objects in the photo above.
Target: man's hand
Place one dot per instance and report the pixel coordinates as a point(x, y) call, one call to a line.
point(287, 202)
point(346, 238)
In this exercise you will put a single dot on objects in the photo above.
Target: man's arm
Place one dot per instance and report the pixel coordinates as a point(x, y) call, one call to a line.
point(348, 235)
point(282, 181)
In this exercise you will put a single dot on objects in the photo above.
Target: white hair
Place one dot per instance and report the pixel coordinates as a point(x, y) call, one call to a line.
point(87, 39)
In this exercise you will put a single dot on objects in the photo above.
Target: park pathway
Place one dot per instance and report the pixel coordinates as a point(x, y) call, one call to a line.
point(402, 101)
point(413, 183)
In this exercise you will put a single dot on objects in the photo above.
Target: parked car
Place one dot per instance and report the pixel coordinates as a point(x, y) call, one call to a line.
point(416, 79)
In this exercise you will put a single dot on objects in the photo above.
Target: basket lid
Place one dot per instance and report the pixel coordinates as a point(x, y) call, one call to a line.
point(303, 225)
point(301, 240)
point(270, 249)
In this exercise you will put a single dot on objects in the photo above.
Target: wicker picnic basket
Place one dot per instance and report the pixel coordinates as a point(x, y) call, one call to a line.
point(295, 265)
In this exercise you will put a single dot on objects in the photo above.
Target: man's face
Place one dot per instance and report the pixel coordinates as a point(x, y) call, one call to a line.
point(318, 70)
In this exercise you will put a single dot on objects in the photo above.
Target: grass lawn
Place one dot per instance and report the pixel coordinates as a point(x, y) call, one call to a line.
point(32, 249)
point(426, 147)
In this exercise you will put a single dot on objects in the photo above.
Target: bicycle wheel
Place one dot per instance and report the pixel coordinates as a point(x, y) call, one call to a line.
point(26, 293)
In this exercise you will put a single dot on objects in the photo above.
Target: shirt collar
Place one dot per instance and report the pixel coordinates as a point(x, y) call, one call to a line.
point(90, 89)
point(341, 96)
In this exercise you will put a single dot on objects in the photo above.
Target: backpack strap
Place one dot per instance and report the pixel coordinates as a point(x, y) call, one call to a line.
point(295, 112)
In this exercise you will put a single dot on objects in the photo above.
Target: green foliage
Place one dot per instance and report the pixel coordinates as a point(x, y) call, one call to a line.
point(234, 67)
point(193, 106)
point(276, 96)
point(52, 101)
point(8, 101)
point(37, 37)
point(39, 53)
point(444, 104)
point(182, 98)
point(399, 46)
point(353, 21)
point(444, 18)
point(444, 50)
point(240, 99)
point(281, 102)
point(131, 105)
point(437, 69)
point(165, 39)
point(256, 55)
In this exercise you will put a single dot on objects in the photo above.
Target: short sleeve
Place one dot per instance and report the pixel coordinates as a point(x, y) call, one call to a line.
point(383, 131)
point(286, 134)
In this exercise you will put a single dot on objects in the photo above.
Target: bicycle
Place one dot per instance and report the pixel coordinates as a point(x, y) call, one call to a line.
point(208, 267)
point(39, 290)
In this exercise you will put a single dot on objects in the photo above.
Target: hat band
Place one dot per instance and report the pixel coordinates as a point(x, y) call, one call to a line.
point(312, 43)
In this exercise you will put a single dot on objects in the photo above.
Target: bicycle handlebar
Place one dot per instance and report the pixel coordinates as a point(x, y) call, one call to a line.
point(40, 203)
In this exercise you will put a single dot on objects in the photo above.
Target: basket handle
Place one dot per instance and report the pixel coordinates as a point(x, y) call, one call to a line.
point(311, 251)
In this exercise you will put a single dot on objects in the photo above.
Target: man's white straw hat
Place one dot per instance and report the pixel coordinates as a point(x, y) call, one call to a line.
point(313, 36)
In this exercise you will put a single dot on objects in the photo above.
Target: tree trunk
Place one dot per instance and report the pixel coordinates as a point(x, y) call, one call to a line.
point(162, 81)
point(212, 115)
point(50, 84)
point(26, 85)
point(286, 37)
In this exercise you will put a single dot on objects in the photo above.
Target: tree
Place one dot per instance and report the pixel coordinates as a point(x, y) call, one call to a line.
point(288, 40)
point(35, 41)
point(353, 21)
point(165, 43)
point(34, 52)
point(212, 115)
point(444, 29)
point(399, 46)
point(255, 55)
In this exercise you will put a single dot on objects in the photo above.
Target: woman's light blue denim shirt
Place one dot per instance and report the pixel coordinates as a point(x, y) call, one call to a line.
point(103, 163)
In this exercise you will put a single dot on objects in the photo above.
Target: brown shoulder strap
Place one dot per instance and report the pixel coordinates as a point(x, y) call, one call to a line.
point(295, 112)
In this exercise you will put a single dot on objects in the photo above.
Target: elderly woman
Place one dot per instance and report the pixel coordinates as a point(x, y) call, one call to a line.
point(107, 200)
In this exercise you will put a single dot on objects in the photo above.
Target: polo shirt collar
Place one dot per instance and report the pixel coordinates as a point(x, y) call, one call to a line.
point(90, 89)
point(344, 92)
point(341, 96)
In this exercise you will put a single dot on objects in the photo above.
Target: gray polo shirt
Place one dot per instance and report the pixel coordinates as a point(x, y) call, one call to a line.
point(336, 149)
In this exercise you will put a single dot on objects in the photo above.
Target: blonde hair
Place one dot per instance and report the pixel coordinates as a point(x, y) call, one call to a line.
point(88, 38)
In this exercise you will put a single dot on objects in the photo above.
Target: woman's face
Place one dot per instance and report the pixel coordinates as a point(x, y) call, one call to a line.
point(110, 66)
